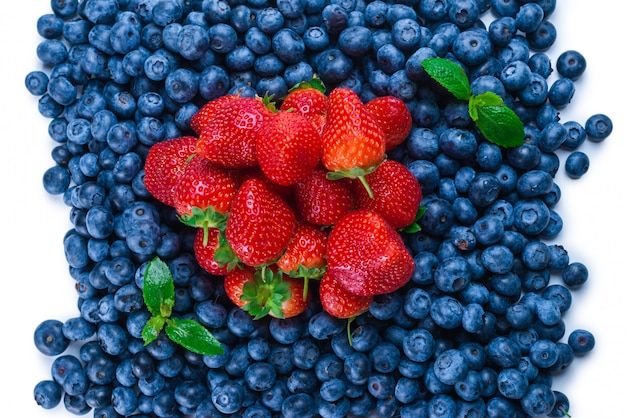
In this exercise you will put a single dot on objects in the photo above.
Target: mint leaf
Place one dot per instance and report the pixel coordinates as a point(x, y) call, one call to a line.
point(450, 75)
point(193, 336)
point(158, 288)
point(151, 330)
point(500, 125)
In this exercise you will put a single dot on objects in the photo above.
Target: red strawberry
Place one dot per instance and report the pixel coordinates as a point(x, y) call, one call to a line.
point(288, 147)
point(305, 255)
point(260, 224)
point(393, 117)
point(340, 303)
point(321, 201)
point(213, 253)
point(200, 120)
point(204, 193)
point(353, 143)
point(266, 292)
point(306, 98)
point(366, 255)
point(229, 139)
point(397, 194)
point(165, 164)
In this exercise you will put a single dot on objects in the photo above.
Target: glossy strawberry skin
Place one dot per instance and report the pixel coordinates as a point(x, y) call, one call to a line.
point(340, 303)
point(321, 201)
point(367, 256)
point(205, 251)
point(307, 102)
point(397, 194)
point(351, 139)
point(201, 119)
point(306, 251)
point(394, 118)
point(165, 164)
point(204, 184)
point(288, 147)
point(229, 139)
point(260, 224)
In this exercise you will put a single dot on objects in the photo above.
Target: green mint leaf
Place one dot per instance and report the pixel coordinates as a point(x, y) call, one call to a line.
point(450, 75)
point(193, 336)
point(500, 125)
point(481, 100)
point(151, 330)
point(158, 288)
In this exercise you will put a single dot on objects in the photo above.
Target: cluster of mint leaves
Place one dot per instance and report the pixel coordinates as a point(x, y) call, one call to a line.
point(497, 122)
point(158, 295)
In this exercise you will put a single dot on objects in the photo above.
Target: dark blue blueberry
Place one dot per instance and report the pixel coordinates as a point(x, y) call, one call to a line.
point(575, 274)
point(458, 143)
point(333, 66)
point(515, 75)
point(406, 34)
point(192, 41)
point(512, 384)
point(438, 218)
point(357, 368)
point(434, 10)
point(581, 341)
point(270, 20)
point(299, 405)
point(535, 92)
point(56, 180)
point(355, 41)
point(483, 189)
point(472, 47)
point(323, 326)
point(297, 73)
point(543, 37)
point(269, 65)
point(598, 127)
point(501, 30)
point(272, 86)
point(529, 17)
point(571, 64)
point(489, 156)
point(417, 303)
point(452, 274)
point(446, 311)
point(222, 38)
point(503, 352)
point(49, 338)
point(561, 92)
point(488, 83)
point(288, 46)
point(316, 38)
point(539, 399)
point(100, 368)
point(77, 329)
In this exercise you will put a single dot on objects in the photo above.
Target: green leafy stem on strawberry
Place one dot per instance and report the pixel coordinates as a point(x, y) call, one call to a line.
point(265, 294)
point(205, 219)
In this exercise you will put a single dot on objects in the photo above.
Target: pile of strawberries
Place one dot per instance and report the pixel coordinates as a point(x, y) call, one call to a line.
point(283, 196)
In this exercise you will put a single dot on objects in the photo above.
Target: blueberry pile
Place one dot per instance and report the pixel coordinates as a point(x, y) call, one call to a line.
point(479, 331)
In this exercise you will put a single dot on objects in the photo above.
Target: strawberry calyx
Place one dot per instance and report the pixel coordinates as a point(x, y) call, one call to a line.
point(265, 294)
point(354, 173)
point(224, 254)
point(414, 226)
point(205, 219)
point(314, 83)
point(307, 274)
point(269, 103)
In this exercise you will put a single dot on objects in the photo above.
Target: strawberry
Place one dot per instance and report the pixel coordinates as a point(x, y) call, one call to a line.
point(288, 147)
point(366, 255)
point(394, 118)
point(229, 138)
point(397, 194)
point(308, 99)
point(266, 292)
point(204, 193)
point(353, 143)
point(340, 303)
point(305, 254)
point(165, 163)
point(210, 252)
point(200, 120)
point(321, 201)
point(260, 224)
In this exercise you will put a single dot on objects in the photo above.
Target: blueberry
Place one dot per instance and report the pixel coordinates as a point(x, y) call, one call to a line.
point(333, 66)
point(598, 127)
point(529, 17)
point(539, 399)
point(301, 405)
point(571, 64)
point(543, 37)
point(581, 341)
point(472, 47)
point(503, 352)
point(576, 164)
point(575, 274)
point(406, 34)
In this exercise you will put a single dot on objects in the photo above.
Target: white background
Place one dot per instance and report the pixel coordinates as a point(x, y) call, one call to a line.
point(35, 284)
